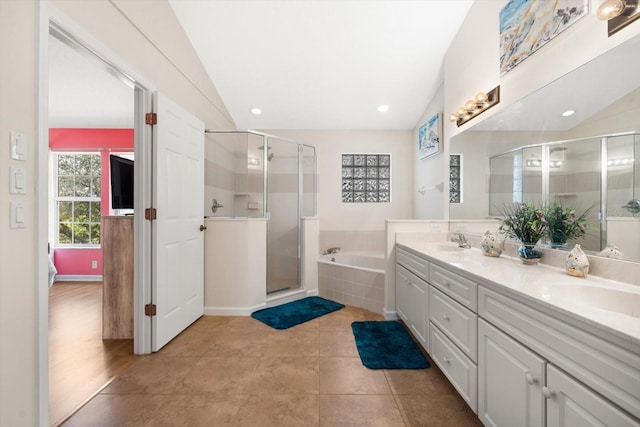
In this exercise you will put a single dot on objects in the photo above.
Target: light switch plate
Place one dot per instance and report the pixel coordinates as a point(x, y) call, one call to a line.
point(18, 215)
point(18, 146)
point(17, 180)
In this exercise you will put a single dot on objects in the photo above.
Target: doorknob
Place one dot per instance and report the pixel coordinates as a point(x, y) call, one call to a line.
point(202, 228)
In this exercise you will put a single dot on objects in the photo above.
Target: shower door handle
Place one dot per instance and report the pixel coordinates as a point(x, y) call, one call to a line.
point(202, 227)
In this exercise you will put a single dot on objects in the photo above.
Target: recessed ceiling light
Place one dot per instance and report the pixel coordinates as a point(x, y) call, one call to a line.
point(568, 113)
point(383, 108)
point(256, 111)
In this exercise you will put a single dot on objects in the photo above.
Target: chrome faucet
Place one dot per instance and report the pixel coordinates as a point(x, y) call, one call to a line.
point(331, 251)
point(460, 240)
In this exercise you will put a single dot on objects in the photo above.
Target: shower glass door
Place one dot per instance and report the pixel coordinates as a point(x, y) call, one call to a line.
point(283, 226)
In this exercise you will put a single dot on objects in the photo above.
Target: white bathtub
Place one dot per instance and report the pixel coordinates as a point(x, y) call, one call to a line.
point(368, 261)
point(353, 278)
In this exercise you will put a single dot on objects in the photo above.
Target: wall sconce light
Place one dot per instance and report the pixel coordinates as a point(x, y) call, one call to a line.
point(479, 104)
point(618, 13)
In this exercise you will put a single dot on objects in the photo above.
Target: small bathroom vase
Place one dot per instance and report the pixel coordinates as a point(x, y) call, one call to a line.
point(577, 263)
point(492, 244)
point(611, 251)
point(529, 253)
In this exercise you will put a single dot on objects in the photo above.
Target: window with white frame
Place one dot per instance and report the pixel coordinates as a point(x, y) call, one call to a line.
point(77, 201)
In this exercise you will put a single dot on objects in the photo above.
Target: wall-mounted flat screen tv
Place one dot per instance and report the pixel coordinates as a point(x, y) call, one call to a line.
point(121, 182)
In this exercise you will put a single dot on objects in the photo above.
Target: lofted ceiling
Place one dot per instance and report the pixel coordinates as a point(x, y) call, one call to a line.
point(323, 64)
point(307, 64)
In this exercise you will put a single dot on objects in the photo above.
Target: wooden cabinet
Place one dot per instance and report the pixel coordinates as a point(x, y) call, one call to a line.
point(117, 277)
point(510, 381)
point(569, 403)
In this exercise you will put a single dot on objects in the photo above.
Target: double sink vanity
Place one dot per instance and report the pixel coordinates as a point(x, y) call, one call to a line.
point(524, 345)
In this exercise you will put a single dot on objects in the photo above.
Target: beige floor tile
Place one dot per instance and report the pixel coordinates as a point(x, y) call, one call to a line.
point(286, 375)
point(220, 375)
point(279, 411)
point(356, 411)
point(199, 411)
point(347, 375)
point(437, 411)
point(291, 343)
point(237, 343)
point(106, 410)
point(153, 374)
point(419, 381)
point(337, 344)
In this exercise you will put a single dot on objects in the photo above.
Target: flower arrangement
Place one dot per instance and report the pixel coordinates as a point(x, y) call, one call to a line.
point(525, 222)
point(565, 224)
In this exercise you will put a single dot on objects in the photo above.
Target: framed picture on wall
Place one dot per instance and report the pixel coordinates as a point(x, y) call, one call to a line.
point(429, 137)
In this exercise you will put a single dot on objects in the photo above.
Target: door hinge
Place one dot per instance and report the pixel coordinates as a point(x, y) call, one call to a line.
point(150, 214)
point(151, 119)
point(150, 310)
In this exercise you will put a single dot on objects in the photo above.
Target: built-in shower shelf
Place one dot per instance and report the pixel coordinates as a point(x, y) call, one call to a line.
point(565, 195)
point(241, 195)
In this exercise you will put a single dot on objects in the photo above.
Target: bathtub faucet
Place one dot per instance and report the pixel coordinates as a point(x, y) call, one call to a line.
point(331, 251)
point(460, 240)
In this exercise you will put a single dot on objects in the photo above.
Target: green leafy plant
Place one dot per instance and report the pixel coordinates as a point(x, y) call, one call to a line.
point(565, 223)
point(524, 221)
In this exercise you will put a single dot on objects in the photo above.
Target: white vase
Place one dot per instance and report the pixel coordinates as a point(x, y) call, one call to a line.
point(577, 263)
point(611, 251)
point(492, 244)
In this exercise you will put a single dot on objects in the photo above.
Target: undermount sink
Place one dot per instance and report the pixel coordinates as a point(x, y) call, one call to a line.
point(614, 300)
point(448, 248)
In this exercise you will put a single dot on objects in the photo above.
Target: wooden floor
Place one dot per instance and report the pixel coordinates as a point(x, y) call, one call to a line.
point(81, 363)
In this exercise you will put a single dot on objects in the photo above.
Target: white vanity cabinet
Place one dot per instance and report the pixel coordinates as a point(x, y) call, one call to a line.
point(510, 381)
point(412, 295)
point(515, 359)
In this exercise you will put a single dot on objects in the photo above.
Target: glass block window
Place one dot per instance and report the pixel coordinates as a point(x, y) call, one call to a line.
point(455, 178)
point(366, 178)
point(78, 178)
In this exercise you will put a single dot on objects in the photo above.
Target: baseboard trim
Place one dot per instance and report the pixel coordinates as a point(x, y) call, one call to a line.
point(232, 311)
point(78, 278)
point(389, 315)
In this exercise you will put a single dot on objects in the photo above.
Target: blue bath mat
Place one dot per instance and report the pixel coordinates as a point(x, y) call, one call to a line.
point(387, 345)
point(293, 313)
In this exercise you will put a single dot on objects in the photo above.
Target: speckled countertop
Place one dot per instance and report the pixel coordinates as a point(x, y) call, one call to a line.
point(604, 307)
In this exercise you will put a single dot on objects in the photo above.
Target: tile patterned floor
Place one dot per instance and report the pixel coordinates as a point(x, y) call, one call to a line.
point(236, 371)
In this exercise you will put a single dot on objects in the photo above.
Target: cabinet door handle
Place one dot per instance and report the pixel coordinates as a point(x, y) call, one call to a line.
point(547, 392)
point(446, 283)
point(531, 379)
point(446, 360)
point(445, 317)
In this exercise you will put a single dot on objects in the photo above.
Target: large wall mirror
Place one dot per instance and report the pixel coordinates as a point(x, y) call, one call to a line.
point(531, 152)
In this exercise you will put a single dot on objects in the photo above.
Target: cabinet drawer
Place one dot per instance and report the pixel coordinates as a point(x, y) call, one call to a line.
point(461, 289)
point(610, 370)
point(458, 323)
point(413, 263)
point(457, 367)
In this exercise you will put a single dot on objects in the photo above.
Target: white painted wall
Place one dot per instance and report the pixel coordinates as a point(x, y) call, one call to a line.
point(431, 173)
point(335, 215)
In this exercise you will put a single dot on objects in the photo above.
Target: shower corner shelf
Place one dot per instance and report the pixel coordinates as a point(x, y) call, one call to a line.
point(241, 195)
point(565, 195)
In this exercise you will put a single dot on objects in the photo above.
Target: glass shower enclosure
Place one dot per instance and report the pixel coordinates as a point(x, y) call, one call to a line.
point(250, 174)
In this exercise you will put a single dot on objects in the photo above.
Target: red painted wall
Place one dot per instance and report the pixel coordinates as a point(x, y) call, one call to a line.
point(78, 261)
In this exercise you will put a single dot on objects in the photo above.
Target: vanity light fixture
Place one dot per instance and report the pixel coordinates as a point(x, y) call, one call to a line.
point(256, 111)
point(479, 104)
point(618, 13)
point(383, 108)
point(568, 113)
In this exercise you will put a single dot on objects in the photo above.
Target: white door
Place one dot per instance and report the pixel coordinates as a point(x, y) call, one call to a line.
point(178, 242)
point(569, 403)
